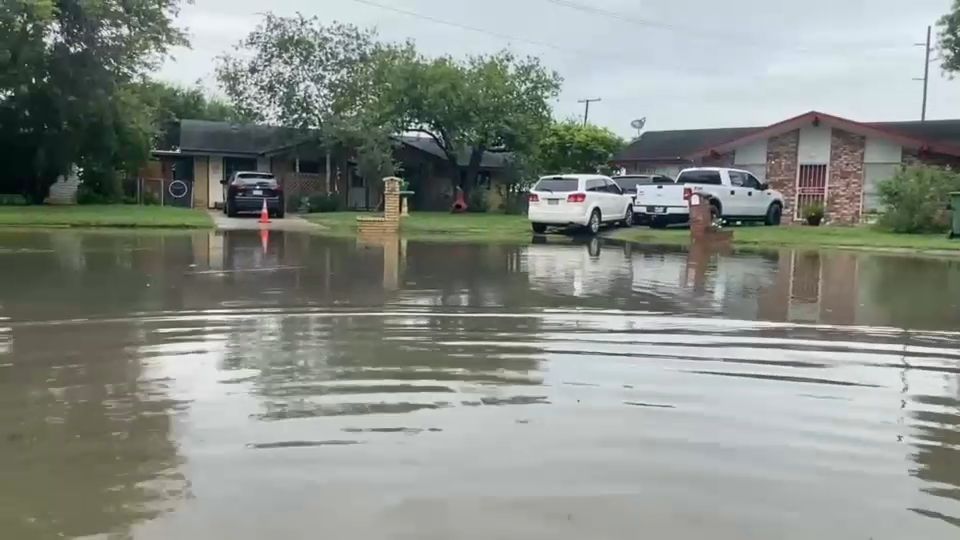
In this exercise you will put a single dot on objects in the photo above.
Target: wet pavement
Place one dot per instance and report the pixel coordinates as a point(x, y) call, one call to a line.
point(289, 223)
point(226, 385)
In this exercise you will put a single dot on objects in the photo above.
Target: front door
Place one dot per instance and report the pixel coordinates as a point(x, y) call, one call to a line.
point(357, 195)
point(811, 187)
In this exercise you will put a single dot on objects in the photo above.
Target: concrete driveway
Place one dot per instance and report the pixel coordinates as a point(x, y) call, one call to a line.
point(252, 223)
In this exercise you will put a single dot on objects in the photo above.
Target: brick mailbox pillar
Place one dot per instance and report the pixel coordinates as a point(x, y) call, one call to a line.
point(702, 229)
point(390, 222)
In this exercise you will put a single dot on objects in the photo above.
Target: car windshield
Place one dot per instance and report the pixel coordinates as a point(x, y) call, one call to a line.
point(630, 183)
point(254, 178)
point(557, 184)
point(699, 177)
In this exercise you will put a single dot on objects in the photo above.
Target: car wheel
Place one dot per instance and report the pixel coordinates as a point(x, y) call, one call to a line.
point(628, 219)
point(229, 209)
point(774, 215)
point(716, 219)
point(280, 213)
point(538, 228)
point(593, 226)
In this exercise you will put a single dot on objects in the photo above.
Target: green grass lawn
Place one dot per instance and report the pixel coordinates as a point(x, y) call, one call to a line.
point(114, 215)
point(438, 226)
point(864, 237)
point(516, 229)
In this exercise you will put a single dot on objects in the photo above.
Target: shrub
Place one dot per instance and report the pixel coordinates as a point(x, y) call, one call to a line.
point(89, 195)
point(325, 203)
point(916, 200)
point(12, 199)
point(814, 211)
point(477, 202)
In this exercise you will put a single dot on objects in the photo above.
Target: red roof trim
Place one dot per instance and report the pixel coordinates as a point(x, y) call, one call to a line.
point(815, 117)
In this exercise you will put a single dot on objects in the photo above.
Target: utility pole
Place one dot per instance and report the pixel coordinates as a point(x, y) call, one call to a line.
point(586, 112)
point(926, 73)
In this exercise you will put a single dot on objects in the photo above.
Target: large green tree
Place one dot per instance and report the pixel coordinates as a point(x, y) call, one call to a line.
point(949, 27)
point(571, 147)
point(64, 70)
point(498, 103)
point(170, 102)
point(300, 72)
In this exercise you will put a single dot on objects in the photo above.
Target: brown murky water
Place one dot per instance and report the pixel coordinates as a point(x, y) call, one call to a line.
point(201, 386)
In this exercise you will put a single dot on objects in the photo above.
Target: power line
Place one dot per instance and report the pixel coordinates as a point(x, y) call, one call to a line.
point(461, 26)
point(749, 40)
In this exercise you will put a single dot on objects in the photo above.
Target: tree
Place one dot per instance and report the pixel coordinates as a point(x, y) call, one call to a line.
point(487, 103)
point(169, 102)
point(299, 72)
point(63, 68)
point(570, 147)
point(915, 199)
point(949, 26)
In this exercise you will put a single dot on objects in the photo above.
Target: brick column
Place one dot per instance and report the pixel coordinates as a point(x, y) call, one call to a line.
point(845, 187)
point(391, 198)
point(782, 168)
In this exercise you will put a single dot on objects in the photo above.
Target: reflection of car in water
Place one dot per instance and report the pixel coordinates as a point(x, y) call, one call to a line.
point(583, 267)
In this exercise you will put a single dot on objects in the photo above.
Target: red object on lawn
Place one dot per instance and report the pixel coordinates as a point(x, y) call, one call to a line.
point(459, 205)
point(264, 214)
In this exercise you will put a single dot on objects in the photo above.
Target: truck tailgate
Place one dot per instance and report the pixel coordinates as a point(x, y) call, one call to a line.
point(659, 195)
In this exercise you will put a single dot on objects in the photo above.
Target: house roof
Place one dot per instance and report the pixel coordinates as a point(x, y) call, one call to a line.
point(489, 160)
point(941, 136)
point(204, 136)
point(210, 137)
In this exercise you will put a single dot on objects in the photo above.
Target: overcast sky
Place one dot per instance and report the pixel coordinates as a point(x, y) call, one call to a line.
point(679, 63)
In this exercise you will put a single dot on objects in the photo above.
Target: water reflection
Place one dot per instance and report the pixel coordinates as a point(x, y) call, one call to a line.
point(154, 384)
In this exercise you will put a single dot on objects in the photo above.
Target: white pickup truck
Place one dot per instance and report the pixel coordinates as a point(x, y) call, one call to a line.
point(734, 195)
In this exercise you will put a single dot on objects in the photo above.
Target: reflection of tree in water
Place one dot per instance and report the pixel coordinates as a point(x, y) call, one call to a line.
point(87, 445)
point(910, 292)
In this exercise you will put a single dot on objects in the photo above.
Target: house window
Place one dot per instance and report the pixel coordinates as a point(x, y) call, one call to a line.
point(356, 179)
point(873, 174)
point(483, 179)
point(309, 167)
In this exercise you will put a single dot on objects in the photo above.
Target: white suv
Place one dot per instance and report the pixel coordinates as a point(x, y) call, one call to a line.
point(585, 200)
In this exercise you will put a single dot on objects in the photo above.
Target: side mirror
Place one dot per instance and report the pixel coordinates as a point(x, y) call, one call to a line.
point(764, 187)
point(223, 182)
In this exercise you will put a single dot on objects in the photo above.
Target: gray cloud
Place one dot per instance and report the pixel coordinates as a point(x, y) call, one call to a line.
point(680, 63)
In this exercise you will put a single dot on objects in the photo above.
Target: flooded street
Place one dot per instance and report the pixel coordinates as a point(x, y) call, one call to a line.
point(225, 385)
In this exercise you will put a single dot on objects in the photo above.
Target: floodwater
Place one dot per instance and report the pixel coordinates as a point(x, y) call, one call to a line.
point(209, 385)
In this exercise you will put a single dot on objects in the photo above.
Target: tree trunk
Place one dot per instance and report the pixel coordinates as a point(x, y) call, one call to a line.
point(473, 169)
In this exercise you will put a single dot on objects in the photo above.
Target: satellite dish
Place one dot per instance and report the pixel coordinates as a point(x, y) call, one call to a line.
point(638, 123)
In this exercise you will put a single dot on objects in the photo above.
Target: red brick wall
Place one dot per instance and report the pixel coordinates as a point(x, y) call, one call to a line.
point(782, 167)
point(845, 188)
point(913, 157)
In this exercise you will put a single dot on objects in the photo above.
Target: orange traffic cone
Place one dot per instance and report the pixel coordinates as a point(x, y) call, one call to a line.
point(264, 214)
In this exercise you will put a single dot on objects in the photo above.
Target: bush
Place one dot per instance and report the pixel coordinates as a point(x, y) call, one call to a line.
point(89, 195)
point(13, 199)
point(916, 200)
point(325, 203)
point(814, 211)
point(477, 202)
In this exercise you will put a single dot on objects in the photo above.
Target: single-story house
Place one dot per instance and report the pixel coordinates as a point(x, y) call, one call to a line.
point(200, 153)
point(811, 158)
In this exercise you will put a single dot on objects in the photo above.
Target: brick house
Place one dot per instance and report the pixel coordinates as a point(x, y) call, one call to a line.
point(811, 158)
point(197, 154)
